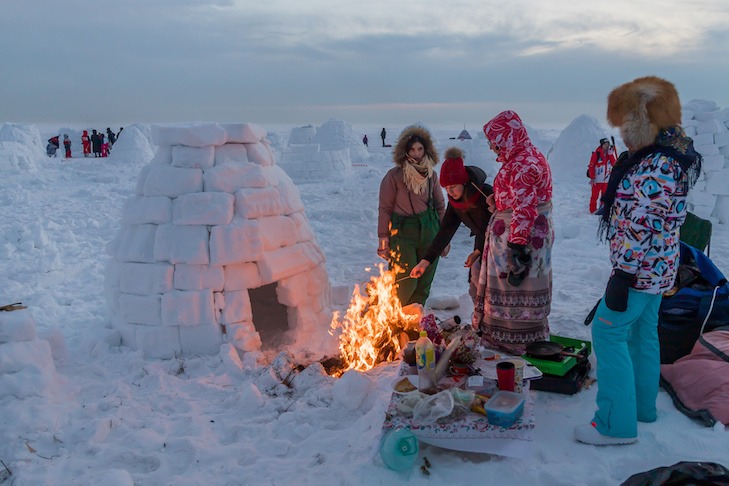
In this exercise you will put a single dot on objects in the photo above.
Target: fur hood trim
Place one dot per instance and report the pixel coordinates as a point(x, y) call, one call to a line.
point(399, 154)
point(642, 108)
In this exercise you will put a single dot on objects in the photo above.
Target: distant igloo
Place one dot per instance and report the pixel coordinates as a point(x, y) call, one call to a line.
point(215, 247)
point(323, 153)
point(20, 147)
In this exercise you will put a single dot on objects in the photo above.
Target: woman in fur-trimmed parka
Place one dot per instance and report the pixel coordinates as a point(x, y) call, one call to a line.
point(645, 205)
point(410, 209)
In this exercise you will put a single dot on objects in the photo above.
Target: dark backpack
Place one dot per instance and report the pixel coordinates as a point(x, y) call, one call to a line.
point(699, 302)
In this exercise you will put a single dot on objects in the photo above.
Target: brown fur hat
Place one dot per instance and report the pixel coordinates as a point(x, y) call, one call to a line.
point(643, 107)
point(399, 153)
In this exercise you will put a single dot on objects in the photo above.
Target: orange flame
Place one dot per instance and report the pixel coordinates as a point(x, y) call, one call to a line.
point(372, 323)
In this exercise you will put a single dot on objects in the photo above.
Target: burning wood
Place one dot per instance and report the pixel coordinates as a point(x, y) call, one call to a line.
point(372, 326)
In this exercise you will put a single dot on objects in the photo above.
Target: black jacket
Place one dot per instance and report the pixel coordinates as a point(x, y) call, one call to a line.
point(475, 218)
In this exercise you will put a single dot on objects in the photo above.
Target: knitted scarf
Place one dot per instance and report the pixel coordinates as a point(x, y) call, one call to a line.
point(672, 142)
point(417, 174)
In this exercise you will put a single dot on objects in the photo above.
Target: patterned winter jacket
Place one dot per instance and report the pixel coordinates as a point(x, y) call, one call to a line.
point(649, 208)
point(524, 180)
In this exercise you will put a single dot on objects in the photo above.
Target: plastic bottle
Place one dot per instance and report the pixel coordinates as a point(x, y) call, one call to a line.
point(425, 358)
point(399, 449)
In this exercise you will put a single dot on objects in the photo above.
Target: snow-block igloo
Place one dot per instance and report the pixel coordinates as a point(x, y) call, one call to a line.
point(215, 248)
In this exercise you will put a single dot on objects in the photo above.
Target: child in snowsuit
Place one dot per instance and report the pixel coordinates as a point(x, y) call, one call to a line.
point(601, 163)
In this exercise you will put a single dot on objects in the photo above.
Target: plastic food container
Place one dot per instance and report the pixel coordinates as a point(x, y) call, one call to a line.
point(504, 408)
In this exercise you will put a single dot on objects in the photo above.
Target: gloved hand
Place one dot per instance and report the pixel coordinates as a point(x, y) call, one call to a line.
point(518, 261)
point(616, 293)
point(383, 249)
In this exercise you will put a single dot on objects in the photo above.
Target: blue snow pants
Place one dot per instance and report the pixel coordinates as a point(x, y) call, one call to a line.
point(628, 364)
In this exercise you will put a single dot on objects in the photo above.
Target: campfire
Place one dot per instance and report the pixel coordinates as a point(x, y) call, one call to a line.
point(375, 327)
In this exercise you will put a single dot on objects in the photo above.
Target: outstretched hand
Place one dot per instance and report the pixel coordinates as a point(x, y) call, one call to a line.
point(419, 269)
point(491, 203)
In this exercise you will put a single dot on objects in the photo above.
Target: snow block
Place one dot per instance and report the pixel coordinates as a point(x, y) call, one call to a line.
point(242, 276)
point(198, 277)
point(237, 307)
point(231, 153)
point(712, 162)
point(146, 278)
point(231, 177)
point(193, 135)
point(187, 308)
point(163, 156)
point(703, 139)
point(260, 154)
point(141, 309)
point(254, 202)
point(162, 342)
point(290, 198)
point(136, 243)
point(702, 198)
point(716, 182)
point(204, 339)
point(182, 244)
point(243, 132)
point(172, 181)
point(17, 326)
point(246, 342)
point(722, 209)
point(277, 232)
point(285, 262)
point(721, 139)
point(147, 210)
point(711, 126)
point(143, 173)
point(193, 157)
point(303, 229)
point(237, 242)
point(292, 291)
point(707, 149)
point(203, 208)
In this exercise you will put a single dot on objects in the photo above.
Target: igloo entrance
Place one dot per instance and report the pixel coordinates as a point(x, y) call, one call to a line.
point(270, 317)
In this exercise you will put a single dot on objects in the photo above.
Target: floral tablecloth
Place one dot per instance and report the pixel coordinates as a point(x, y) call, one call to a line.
point(471, 432)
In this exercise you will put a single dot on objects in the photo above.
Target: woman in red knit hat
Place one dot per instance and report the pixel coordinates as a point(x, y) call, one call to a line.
point(467, 192)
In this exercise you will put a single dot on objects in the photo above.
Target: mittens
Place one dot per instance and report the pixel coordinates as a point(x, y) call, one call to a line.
point(518, 262)
point(616, 293)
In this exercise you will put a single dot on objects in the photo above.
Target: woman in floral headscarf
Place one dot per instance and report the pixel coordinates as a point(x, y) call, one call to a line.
point(515, 284)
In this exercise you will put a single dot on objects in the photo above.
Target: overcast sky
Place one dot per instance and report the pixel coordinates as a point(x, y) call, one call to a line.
point(367, 62)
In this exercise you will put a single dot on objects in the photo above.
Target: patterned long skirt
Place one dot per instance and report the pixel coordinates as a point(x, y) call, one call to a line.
point(512, 317)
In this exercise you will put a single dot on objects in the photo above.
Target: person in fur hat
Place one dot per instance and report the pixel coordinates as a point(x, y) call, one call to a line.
point(467, 192)
point(410, 210)
point(515, 283)
point(645, 205)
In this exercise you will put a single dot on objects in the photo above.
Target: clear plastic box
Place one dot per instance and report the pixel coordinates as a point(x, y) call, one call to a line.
point(504, 408)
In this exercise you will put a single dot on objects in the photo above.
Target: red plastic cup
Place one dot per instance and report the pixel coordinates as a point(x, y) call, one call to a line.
point(505, 375)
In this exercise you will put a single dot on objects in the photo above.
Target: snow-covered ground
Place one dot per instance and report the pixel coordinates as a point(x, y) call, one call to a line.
point(110, 416)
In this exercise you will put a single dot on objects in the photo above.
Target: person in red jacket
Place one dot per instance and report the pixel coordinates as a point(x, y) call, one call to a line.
point(601, 164)
point(86, 142)
point(67, 145)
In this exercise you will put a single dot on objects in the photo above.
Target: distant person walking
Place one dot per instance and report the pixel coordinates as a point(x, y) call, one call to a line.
point(86, 143)
point(365, 140)
point(601, 165)
point(104, 145)
point(111, 137)
point(95, 143)
point(67, 145)
point(383, 134)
